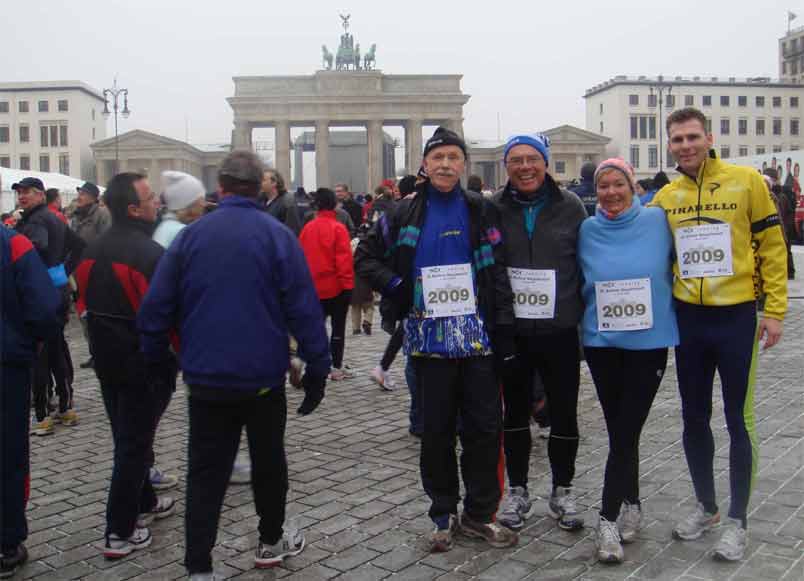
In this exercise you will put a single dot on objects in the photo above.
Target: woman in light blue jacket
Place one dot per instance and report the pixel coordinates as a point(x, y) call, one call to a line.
point(625, 255)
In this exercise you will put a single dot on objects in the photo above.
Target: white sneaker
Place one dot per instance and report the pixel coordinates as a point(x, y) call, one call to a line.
point(340, 374)
point(116, 547)
point(561, 507)
point(609, 547)
point(203, 577)
point(630, 521)
point(732, 543)
point(695, 524)
point(290, 545)
point(515, 508)
point(383, 378)
point(165, 506)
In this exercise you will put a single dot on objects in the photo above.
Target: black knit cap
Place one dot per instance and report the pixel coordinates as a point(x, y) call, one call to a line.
point(444, 136)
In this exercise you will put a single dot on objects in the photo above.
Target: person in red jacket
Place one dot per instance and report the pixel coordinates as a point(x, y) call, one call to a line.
point(326, 246)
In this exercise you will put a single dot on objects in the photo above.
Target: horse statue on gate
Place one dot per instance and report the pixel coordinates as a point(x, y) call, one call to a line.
point(327, 56)
point(369, 59)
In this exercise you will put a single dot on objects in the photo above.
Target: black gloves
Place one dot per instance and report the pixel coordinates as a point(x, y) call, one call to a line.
point(313, 393)
point(505, 350)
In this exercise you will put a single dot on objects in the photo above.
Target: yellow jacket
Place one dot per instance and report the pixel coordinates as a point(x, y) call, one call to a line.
point(738, 196)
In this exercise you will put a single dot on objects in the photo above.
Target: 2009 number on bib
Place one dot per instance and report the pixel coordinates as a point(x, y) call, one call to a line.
point(629, 310)
point(447, 296)
point(704, 256)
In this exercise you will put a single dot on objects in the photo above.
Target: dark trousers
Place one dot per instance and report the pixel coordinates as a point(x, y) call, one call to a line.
point(215, 427)
point(132, 410)
point(415, 415)
point(15, 403)
point(336, 308)
point(555, 357)
point(52, 363)
point(626, 383)
point(393, 347)
point(722, 339)
point(162, 402)
point(446, 388)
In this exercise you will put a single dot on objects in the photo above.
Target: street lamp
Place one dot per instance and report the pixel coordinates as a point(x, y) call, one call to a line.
point(659, 88)
point(115, 93)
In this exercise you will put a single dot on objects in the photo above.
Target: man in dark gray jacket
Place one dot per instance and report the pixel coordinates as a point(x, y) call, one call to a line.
point(539, 225)
point(279, 202)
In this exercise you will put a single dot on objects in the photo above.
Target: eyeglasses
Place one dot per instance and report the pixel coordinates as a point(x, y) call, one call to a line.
point(521, 161)
point(451, 157)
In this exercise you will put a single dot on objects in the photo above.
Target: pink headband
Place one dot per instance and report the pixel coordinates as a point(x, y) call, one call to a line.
point(620, 165)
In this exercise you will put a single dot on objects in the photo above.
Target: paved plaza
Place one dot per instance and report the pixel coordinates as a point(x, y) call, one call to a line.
point(355, 489)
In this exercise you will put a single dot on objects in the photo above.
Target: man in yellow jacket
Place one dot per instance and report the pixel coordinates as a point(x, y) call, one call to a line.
point(722, 217)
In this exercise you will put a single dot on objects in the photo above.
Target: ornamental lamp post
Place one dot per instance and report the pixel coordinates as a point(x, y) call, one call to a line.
point(661, 88)
point(116, 93)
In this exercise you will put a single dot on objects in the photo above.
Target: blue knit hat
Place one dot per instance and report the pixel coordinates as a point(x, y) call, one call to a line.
point(538, 141)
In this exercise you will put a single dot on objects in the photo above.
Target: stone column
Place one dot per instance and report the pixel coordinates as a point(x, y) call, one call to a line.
point(456, 125)
point(322, 154)
point(282, 149)
point(375, 147)
point(413, 145)
point(100, 172)
point(241, 135)
point(298, 171)
point(153, 174)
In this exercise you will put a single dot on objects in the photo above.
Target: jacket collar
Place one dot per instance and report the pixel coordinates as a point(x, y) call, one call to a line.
point(711, 164)
point(550, 186)
point(86, 211)
point(328, 214)
point(238, 201)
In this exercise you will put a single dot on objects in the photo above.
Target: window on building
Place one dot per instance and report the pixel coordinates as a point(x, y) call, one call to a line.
point(93, 131)
point(22, 106)
point(689, 100)
point(43, 107)
point(725, 126)
point(93, 111)
point(4, 137)
point(634, 127)
point(760, 150)
point(743, 151)
point(708, 125)
point(760, 127)
point(725, 152)
point(724, 100)
point(777, 101)
point(777, 148)
point(653, 157)
point(633, 100)
point(794, 147)
point(652, 100)
point(794, 102)
point(25, 162)
point(43, 140)
point(794, 127)
point(777, 126)
point(651, 127)
point(44, 162)
point(670, 101)
point(742, 126)
point(643, 127)
point(759, 101)
point(64, 164)
point(54, 135)
point(706, 100)
point(25, 134)
point(63, 105)
point(561, 167)
point(3, 106)
point(742, 101)
point(601, 111)
point(5, 161)
point(635, 156)
point(63, 135)
point(794, 67)
point(671, 162)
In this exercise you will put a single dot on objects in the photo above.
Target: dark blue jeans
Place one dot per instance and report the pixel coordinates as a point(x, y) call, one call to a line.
point(15, 403)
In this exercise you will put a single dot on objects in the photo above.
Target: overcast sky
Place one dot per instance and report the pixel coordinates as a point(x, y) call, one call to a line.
point(528, 61)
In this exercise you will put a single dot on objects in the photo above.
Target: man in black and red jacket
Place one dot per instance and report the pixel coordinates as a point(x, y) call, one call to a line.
point(112, 279)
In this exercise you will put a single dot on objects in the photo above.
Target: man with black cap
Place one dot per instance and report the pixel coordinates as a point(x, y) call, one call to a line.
point(540, 222)
point(236, 294)
point(89, 221)
point(586, 189)
point(437, 260)
point(50, 238)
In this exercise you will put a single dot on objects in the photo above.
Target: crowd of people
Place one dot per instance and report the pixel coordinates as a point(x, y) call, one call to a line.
point(495, 301)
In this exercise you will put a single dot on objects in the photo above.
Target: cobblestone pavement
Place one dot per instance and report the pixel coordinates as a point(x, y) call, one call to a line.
point(355, 489)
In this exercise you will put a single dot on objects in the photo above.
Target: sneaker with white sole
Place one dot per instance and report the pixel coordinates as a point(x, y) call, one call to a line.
point(165, 506)
point(68, 418)
point(515, 508)
point(161, 480)
point(441, 539)
point(43, 428)
point(493, 533)
point(609, 542)
point(696, 523)
point(383, 378)
point(290, 545)
point(203, 577)
point(116, 547)
point(629, 522)
point(562, 507)
point(733, 541)
point(340, 374)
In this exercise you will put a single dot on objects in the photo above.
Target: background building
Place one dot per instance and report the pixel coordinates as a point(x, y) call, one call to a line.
point(48, 127)
point(791, 56)
point(746, 116)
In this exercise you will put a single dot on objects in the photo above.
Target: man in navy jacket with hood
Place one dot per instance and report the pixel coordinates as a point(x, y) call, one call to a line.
point(236, 284)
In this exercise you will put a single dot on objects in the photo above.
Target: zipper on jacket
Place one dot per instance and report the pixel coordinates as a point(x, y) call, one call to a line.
point(698, 211)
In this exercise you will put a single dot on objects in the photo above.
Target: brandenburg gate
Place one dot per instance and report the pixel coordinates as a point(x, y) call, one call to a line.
point(351, 95)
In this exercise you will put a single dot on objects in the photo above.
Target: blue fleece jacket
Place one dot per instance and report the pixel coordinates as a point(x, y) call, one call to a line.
point(444, 240)
point(635, 244)
point(235, 284)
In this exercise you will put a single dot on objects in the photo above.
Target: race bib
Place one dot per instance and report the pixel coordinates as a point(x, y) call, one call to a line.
point(624, 305)
point(534, 293)
point(448, 291)
point(704, 250)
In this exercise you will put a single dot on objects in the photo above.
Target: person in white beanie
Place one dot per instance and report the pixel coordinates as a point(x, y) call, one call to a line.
point(184, 198)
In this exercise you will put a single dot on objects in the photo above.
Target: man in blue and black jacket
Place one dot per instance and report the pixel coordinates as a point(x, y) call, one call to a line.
point(236, 284)
point(31, 311)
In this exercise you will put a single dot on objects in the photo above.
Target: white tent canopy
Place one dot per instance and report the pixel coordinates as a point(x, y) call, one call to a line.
point(8, 177)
